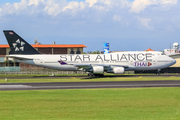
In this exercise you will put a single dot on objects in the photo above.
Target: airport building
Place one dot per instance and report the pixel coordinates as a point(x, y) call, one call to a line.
point(175, 53)
point(174, 50)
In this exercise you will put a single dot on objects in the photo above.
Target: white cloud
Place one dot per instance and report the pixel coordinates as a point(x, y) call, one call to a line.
point(91, 2)
point(75, 5)
point(21, 6)
point(168, 1)
point(15, 8)
point(139, 5)
point(108, 2)
point(145, 23)
point(116, 18)
point(54, 8)
point(35, 2)
point(92, 11)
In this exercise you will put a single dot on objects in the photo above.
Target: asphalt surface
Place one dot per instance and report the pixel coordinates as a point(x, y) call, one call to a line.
point(85, 76)
point(88, 85)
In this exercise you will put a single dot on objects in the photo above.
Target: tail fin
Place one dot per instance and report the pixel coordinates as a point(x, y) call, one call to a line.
point(17, 44)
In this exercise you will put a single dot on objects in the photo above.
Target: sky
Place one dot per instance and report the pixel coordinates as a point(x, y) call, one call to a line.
point(127, 25)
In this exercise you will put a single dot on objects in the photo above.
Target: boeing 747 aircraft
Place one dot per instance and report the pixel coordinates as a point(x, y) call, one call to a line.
point(94, 64)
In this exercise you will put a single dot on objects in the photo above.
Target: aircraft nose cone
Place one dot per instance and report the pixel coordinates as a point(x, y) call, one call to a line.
point(174, 61)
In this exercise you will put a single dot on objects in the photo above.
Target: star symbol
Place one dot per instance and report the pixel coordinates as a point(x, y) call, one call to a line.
point(18, 45)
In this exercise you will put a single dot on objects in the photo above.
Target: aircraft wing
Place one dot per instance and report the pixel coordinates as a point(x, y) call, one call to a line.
point(89, 66)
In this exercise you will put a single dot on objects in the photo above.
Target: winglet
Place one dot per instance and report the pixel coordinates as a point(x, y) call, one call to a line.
point(62, 63)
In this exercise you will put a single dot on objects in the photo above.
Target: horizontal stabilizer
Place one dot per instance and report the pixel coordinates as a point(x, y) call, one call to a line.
point(19, 58)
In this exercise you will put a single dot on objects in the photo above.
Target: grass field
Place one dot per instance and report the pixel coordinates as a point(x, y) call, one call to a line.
point(88, 104)
point(87, 79)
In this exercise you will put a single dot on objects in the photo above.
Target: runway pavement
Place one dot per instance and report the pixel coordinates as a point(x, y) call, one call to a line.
point(87, 85)
point(85, 76)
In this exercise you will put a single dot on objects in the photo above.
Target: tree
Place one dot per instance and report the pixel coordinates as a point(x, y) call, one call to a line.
point(95, 52)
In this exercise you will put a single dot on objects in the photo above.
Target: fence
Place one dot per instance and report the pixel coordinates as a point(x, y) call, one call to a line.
point(39, 71)
point(9, 69)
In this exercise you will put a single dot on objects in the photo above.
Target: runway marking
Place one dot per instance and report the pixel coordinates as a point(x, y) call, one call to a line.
point(14, 86)
point(140, 76)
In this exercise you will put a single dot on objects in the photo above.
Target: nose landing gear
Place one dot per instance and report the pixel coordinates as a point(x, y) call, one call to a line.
point(158, 72)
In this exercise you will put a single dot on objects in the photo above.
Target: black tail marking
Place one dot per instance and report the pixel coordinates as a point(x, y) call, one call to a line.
point(17, 44)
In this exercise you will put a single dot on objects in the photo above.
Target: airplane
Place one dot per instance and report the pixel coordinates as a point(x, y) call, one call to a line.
point(94, 64)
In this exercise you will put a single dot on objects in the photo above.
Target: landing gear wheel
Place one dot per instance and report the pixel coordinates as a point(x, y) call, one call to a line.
point(102, 75)
point(95, 75)
point(91, 74)
point(158, 72)
point(99, 75)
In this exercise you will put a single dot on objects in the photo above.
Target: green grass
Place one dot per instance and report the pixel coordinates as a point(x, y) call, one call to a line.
point(76, 79)
point(88, 104)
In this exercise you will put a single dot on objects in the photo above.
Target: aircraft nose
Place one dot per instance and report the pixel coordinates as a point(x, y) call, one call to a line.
point(174, 61)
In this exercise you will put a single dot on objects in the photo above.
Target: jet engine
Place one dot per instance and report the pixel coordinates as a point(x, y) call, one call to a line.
point(118, 70)
point(98, 70)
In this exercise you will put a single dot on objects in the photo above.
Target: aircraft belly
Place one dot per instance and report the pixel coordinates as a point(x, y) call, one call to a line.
point(57, 66)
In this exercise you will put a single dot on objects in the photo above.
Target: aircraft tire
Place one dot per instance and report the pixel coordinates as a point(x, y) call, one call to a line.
point(91, 75)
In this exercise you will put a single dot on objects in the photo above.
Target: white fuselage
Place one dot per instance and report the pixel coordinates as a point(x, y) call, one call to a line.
point(128, 60)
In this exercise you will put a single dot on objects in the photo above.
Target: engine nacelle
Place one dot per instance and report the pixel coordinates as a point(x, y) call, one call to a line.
point(98, 70)
point(118, 70)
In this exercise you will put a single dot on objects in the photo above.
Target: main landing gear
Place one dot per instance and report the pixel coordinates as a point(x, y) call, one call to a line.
point(95, 75)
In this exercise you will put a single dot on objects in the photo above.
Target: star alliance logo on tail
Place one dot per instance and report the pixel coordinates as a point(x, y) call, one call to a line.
point(19, 45)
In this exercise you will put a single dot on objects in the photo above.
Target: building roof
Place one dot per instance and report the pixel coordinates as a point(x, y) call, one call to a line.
point(149, 49)
point(51, 46)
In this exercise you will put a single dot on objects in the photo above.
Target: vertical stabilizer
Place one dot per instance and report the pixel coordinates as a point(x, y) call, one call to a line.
point(17, 44)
